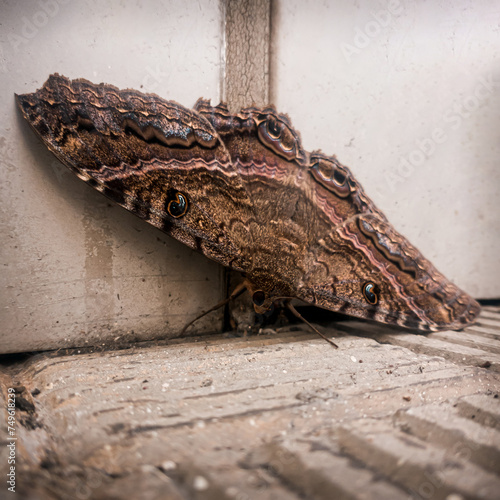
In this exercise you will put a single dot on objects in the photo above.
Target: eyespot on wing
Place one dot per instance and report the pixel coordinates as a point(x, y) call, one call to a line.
point(331, 175)
point(278, 136)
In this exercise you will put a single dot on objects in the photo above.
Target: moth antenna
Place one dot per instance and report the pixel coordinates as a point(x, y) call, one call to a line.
point(314, 329)
point(235, 293)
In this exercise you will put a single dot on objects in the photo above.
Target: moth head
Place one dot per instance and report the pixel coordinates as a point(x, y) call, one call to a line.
point(262, 303)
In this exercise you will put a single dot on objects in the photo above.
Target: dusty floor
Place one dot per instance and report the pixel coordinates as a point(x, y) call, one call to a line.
point(388, 415)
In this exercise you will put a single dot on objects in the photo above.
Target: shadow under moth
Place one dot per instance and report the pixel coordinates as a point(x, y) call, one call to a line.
point(241, 189)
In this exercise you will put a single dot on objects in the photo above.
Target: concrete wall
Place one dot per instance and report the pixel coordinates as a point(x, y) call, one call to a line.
point(405, 93)
point(75, 268)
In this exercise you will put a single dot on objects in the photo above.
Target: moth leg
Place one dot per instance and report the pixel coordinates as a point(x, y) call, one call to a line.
point(242, 287)
point(298, 315)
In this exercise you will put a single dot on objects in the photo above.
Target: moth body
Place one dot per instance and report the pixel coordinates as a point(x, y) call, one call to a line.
point(241, 189)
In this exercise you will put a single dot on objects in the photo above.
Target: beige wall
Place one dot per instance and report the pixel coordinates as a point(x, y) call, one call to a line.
point(407, 94)
point(75, 268)
point(402, 92)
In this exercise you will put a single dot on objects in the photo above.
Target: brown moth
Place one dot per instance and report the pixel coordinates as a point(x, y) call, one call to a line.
point(240, 189)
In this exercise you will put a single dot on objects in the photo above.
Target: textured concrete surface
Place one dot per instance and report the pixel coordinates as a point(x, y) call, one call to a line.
point(373, 82)
point(282, 416)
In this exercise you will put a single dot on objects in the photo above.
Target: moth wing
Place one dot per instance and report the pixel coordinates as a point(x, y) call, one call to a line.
point(358, 264)
point(142, 151)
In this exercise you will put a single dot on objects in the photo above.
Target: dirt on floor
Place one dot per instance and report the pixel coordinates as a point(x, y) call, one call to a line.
point(389, 414)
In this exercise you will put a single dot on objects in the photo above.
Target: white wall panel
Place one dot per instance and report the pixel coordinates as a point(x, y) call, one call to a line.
point(76, 269)
point(405, 93)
